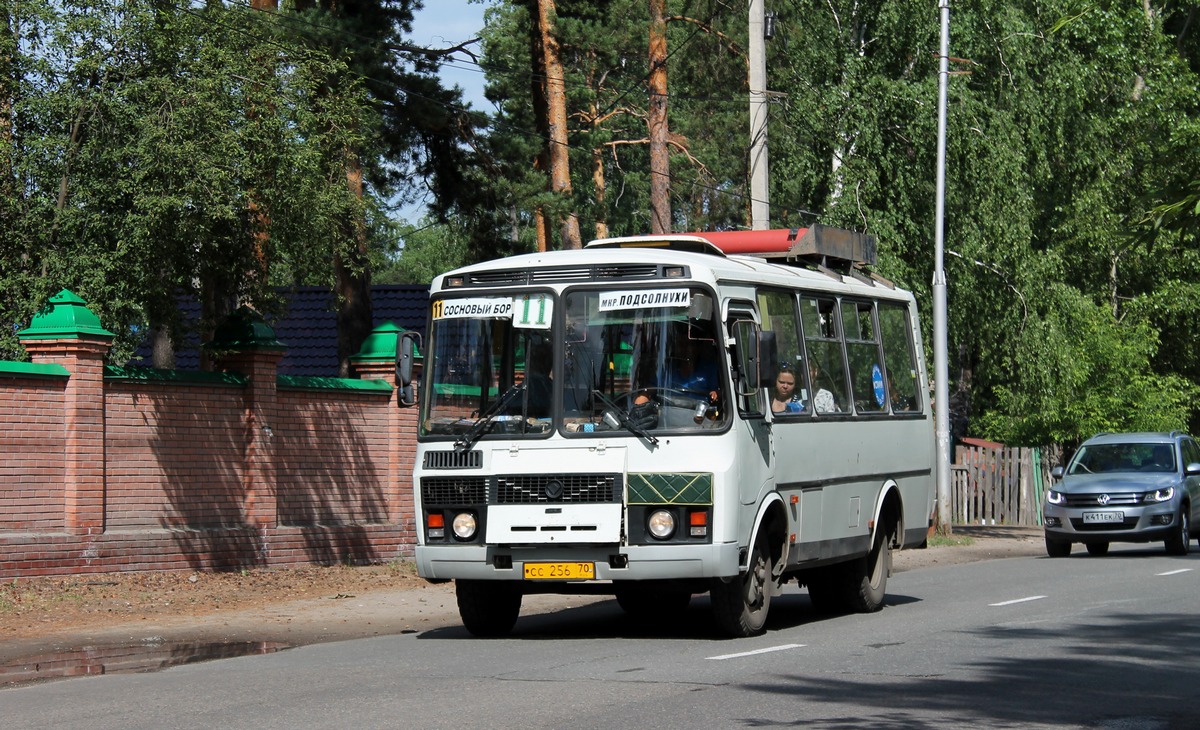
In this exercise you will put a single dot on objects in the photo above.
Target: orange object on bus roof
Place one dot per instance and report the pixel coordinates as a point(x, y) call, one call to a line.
point(778, 240)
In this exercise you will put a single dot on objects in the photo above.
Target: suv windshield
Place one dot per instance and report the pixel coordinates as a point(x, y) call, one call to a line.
point(1107, 458)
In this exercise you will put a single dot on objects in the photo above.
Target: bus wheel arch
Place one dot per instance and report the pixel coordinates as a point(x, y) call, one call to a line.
point(740, 604)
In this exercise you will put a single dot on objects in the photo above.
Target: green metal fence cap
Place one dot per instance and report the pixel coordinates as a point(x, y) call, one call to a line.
point(64, 316)
point(380, 345)
point(242, 330)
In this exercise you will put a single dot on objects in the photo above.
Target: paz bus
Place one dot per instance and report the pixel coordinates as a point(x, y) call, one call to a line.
point(610, 420)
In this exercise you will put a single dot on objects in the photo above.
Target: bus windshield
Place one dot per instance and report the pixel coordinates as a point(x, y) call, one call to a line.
point(653, 354)
point(653, 347)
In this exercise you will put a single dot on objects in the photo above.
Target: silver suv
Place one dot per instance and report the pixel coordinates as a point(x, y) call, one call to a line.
point(1125, 487)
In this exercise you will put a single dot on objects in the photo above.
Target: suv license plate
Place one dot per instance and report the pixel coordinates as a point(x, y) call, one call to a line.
point(560, 571)
point(1094, 517)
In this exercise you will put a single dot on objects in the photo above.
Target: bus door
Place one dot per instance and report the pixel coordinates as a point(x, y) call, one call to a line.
point(755, 470)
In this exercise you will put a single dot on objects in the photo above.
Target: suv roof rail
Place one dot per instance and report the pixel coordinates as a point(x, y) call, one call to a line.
point(1177, 432)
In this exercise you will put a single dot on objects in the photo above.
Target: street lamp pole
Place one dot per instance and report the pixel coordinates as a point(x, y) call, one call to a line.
point(941, 378)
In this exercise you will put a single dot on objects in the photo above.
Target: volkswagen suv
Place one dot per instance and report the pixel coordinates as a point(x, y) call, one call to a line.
point(1125, 487)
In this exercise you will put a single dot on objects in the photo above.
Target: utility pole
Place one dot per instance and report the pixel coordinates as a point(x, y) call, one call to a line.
point(760, 196)
point(941, 377)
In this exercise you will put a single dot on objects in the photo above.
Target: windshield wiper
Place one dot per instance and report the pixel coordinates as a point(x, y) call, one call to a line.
point(624, 420)
point(468, 439)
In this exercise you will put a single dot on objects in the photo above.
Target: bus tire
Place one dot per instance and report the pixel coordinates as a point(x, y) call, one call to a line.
point(872, 575)
point(858, 585)
point(740, 605)
point(488, 608)
point(650, 601)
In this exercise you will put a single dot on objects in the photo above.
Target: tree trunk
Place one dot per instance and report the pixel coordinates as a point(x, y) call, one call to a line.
point(556, 104)
point(541, 120)
point(260, 218)
point(352, 275)
point(660, 159)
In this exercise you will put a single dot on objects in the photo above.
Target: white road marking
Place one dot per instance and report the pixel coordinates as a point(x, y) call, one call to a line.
point(1017, 600)
point(1176, 572)
point(757, 651)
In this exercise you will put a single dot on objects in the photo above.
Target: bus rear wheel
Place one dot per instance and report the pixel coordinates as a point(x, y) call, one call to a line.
point(740, 606)
point(488, 608)
point(858, 585)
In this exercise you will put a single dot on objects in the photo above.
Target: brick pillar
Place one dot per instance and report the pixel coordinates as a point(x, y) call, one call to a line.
point(247, 346)
point(377, 361)
point(66, 333)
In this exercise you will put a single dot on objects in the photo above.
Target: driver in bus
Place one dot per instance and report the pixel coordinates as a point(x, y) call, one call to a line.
point(693, 368)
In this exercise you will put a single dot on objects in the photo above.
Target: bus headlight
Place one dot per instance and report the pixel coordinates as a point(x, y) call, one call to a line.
point(661, 524)
point(464, 525)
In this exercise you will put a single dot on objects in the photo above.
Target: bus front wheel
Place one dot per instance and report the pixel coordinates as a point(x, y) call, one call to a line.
point(740, 606)
point(488, 608)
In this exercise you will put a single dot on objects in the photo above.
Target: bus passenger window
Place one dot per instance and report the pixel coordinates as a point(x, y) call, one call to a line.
point(903, 389)
point(826, 366)
point(866, 362)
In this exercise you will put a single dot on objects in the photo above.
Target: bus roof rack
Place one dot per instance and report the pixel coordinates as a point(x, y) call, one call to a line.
point(837, 249)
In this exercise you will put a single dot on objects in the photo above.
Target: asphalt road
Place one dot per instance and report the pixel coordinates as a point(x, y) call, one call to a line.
point(1018, 643)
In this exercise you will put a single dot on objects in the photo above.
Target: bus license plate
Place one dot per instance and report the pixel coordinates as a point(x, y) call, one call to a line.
point(1093, 517)
point(560, 571)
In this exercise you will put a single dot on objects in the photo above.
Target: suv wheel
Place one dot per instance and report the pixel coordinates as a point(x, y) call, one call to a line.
point(1057, 549)
point(1179, 541)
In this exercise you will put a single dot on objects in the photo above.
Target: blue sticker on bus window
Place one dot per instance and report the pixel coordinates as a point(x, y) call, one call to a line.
point(877, 382)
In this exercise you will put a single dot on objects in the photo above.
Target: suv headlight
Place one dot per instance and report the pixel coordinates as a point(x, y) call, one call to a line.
point(1159, 495)
point(1054, 496)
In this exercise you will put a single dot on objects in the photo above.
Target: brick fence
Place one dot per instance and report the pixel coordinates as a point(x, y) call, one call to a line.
point(131, 469)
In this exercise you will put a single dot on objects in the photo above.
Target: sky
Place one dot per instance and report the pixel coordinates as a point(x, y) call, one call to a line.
point(445, 23)
point(442, 24)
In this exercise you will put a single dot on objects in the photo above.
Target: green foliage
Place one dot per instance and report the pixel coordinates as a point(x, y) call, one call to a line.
point(156, 150)
point(427, 251)
point(1082, 372)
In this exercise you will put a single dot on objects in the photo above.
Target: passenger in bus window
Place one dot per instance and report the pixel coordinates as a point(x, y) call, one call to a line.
point(785, 399)
point(823, 401)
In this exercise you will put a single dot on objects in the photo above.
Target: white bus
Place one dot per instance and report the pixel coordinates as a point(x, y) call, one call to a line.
point(618, 420)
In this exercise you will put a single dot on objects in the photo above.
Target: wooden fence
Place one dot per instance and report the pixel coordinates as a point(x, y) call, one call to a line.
point(997, 486)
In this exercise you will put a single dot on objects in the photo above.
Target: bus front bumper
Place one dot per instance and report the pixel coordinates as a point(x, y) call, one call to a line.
point(634, 562)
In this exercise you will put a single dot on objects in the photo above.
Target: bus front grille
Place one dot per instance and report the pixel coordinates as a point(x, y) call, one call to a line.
point(549, 488)
point(448, 491)
point(565, 274)
point(453, 459)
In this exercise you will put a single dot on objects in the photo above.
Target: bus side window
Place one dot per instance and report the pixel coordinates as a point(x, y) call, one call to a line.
point(903, 390)
point(825, 388)
point(862, 352)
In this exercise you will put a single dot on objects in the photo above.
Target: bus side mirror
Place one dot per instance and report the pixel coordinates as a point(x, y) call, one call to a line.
point(757, 353)
point(406, 352)
point(768, 357)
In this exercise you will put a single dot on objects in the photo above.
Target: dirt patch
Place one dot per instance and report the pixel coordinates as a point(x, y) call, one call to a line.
point(307, 605)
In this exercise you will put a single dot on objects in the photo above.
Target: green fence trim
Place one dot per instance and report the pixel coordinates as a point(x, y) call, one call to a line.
point(14, 369)
point(185, 377)
point(299, 382)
